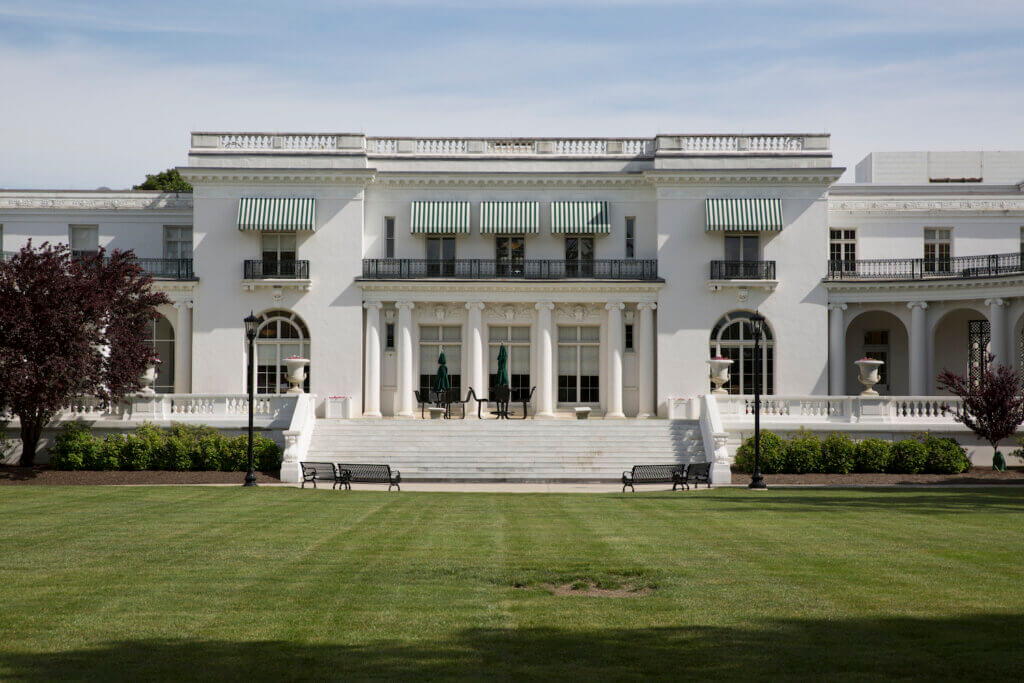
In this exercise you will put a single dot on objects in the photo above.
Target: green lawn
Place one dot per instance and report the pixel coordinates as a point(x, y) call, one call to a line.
point(214, 583)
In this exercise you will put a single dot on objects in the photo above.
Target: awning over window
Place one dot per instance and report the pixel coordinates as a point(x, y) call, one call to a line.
point(759, 215)
point(510, 218)
point(580, 218)
point(440, 218)
point(277, 214)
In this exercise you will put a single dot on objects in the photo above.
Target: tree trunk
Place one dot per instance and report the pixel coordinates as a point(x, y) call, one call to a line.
point(31, 429)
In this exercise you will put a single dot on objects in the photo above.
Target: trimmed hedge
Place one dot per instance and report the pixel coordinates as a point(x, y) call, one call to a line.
point(179, 448)
point(838, 454)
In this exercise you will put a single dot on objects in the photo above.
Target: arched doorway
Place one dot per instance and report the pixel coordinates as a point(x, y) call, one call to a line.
point(731, 337)
point(882, 336)
point(960, 342)
point(161, 338)
point(280, 334)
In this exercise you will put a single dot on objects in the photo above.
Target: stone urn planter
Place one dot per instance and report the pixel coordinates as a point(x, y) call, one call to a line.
point(868, 374)
point(148, 381)
point(296, 373)
point(719, 373)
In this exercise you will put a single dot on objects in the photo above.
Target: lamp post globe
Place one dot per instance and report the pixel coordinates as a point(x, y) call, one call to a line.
point(251, 327)
point(757, 332)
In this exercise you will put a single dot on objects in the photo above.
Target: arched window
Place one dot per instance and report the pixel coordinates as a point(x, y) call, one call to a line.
point(731, 337)
point(161, 337)
point(280, 334)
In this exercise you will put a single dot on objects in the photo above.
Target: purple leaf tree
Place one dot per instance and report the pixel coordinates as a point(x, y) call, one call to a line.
point(993, 403)
point(70, 327)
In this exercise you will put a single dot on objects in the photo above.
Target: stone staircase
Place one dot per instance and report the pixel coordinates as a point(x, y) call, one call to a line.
point(513, 450)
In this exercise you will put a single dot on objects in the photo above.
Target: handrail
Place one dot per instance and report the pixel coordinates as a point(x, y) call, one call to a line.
point(515, 269)
point(743, 270)
point(259, 269)
point(956, 267)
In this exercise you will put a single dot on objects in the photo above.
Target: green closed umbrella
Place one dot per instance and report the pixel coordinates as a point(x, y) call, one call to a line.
point(442, 382)
point(503, 367)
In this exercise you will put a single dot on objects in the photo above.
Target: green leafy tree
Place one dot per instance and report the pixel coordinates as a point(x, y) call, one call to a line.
point(167, 181)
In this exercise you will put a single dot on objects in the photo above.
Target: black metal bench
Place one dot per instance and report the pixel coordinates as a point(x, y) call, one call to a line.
point(698, 473)
point(371, 474)
point(654, 474)
point(324, 471)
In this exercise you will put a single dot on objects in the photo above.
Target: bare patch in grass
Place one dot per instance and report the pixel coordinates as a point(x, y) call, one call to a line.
point(593, 589)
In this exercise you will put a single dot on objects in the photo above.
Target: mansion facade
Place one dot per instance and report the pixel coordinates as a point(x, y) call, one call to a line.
point(611, 269)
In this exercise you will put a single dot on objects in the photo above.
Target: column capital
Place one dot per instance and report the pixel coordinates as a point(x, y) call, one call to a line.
point(474, 305)
point(182, 304)
point(837, 307)
point(407, 305)
point(545, 306)
point(917, 304)
point(377, 305)
point(996, 302)
point(614, 306)
point(646, 306)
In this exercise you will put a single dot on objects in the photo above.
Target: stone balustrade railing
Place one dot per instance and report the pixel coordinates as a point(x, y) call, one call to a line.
point(810, 409)
point(291, 143)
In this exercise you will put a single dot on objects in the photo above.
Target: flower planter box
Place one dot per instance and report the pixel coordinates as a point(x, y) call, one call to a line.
point(681, 408)
point(582, 413)
point(339, 407)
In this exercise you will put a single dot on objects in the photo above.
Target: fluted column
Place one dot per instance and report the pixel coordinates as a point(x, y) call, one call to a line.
point(183, 348)
point(997, 327)
point(645, 360)
point(918, 348)
point(545, 361)
point(614, 408)
point(836, 350)
point(371, 389)
point(405, 386)
point(475, 371)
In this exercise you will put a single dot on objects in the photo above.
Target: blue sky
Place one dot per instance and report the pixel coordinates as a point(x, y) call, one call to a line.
point(101, 93)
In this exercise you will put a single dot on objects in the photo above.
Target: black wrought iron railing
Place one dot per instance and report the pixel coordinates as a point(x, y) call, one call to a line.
point(964, 267)
point(168, 268)
point(743, 270)
point(285, 270)
point(525, 269)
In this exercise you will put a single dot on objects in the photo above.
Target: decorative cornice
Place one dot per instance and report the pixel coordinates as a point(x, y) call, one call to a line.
point(904, 207)
point(504, 292)
point(515, 180)
point(278, 176)
point(746, 176)
point(899, 291)
point(161, 202)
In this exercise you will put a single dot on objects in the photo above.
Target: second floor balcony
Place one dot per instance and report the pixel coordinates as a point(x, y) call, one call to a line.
point(512, 269)
point(742, 270)
point(956, 267)
point(284, 269)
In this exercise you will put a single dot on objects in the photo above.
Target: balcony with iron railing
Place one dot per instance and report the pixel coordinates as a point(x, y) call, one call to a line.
point(265, 269)
point(953, 268)
point(524, 269)
point(742, 270)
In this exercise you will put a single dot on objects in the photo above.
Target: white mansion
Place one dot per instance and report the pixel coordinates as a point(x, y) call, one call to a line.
point(610, 268)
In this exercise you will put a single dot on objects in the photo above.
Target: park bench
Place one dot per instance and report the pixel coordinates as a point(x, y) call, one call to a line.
point(371, 474)
point(654, 474)
point(323, 471)
point(698, 473)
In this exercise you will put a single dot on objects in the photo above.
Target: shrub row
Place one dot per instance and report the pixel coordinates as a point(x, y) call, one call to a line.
point(839, 454)
point(180, 447)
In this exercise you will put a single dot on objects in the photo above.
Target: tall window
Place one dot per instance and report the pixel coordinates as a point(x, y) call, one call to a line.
point(433, 340)
point(389, 237)
point(629, 337)
point(842, 249)
point(510, 253)
point(85, 239)
point(177, 241)
point(731, 337)
point(579, 352)
point(938, 244)
point(1021, 239)
point(517, 342)
point(278, 254)
point(579, 256)
point(281, 334)
point(389, 336)
point(876, 345)
point(630, 236)
point(160, 336)
point(440, 256)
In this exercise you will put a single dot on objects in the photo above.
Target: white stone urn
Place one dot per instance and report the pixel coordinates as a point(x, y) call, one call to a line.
point(296, 373)
point(148, 380)
point(868, 375)
point(719, 373)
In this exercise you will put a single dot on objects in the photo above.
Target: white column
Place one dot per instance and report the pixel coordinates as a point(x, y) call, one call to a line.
point(475, 371)
point(371, 380)
point(405, 386)
point(614, 360)
point(645, 337)
point(836, 350)
point(545, 361)
point(997, 327)
point(918, 348)
point(183, 348)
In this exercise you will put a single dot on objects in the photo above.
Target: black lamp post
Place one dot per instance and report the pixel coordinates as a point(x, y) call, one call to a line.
point(251, 323)
point(757, 331)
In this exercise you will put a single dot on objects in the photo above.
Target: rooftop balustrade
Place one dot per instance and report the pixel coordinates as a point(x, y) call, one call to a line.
point(957, 267)
point(526, 269)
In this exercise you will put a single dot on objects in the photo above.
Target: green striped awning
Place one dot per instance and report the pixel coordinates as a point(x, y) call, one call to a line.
point(509, 218)
point(759, 215)
point(277, 214)
point(440, 218)
point(580, 218)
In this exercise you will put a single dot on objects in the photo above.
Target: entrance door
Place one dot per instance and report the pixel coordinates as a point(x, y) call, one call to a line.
point(979, 332)
point(579, 256)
